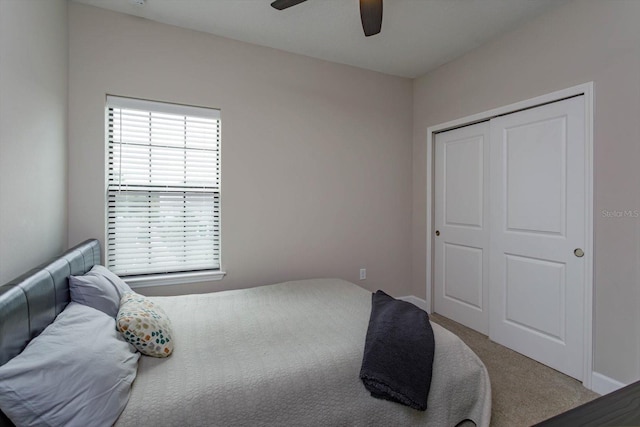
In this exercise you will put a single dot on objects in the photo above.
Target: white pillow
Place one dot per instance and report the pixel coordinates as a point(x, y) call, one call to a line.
point(100, 289)
point(77, 372)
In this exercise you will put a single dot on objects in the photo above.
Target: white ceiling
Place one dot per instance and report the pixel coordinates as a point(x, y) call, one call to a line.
point(417, 35)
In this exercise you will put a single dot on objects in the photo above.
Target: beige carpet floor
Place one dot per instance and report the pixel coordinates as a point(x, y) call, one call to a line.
point(524, 391)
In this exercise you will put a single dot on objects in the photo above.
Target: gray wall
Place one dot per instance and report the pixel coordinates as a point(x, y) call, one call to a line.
point(33, 133)
point(585, 40)
point(316, 156)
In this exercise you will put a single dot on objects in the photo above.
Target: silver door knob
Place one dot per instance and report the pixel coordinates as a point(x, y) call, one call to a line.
point(437, 232)
point(578, 252)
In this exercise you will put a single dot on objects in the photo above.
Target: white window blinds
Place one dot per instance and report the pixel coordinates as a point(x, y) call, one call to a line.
point(163, 187)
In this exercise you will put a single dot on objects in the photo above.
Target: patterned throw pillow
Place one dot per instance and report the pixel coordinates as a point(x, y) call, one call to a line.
point(145, 325)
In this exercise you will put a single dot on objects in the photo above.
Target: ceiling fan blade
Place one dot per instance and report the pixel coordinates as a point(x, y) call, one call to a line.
point(283, 4)
point(371, 16)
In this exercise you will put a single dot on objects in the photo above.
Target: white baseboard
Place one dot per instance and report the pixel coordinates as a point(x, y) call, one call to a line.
point(418, 302)
point(602, 384)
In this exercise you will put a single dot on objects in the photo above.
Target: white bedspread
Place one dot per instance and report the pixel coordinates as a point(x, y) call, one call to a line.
point(289, 354)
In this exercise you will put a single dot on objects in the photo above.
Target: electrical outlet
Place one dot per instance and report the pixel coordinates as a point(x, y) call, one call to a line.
point(363, 273)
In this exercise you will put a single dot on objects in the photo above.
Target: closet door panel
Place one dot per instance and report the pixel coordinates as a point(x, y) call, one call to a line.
point(461, 244)
point(537, 230)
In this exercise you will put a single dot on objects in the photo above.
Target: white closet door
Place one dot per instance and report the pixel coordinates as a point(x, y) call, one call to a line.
point(537, 222)
point(461, 270)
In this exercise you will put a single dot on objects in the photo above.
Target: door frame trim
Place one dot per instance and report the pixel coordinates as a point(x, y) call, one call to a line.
point(586, 90)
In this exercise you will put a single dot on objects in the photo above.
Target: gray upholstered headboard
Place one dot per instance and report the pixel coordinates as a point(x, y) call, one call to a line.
point(32, 301)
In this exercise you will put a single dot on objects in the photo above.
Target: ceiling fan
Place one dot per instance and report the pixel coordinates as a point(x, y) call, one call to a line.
point(370, 13)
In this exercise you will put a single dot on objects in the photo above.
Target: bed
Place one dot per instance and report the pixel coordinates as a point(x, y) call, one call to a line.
point(284, 354)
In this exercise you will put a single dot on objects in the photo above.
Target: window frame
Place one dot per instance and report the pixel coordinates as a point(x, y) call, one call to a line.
point(141, 280)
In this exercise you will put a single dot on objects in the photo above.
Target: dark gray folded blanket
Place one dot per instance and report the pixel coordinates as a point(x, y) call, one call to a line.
point(398, 352)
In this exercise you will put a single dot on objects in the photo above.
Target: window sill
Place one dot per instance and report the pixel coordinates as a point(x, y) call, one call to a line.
point(173, 278)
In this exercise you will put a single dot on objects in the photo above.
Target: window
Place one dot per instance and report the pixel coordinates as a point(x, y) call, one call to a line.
point(163, 188)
